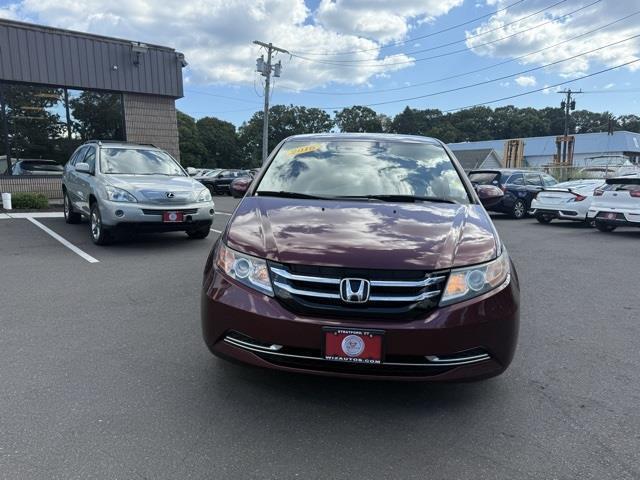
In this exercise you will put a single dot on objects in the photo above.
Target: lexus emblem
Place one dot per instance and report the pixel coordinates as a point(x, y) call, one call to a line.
point(354, 290)
point(170, 194)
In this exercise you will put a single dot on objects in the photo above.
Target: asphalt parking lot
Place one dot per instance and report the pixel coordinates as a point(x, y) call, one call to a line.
point(104, 373)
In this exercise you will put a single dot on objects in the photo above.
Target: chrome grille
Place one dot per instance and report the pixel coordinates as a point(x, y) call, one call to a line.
point(316, 290)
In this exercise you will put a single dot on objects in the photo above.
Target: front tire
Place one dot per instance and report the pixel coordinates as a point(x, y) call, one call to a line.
point(199, 233)
point(69, 215)
point(519, 210)
point(605, 227)
point(99, 233)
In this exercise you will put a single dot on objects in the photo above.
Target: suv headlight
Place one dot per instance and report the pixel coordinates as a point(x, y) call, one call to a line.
point(204, 196)
point(469, 282)
point(248, 270)
point(119, 195)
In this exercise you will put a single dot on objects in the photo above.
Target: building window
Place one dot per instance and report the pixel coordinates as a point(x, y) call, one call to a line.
point(49, 123)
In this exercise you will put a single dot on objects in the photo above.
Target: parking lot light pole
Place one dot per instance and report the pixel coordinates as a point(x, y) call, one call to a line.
point(266, 69)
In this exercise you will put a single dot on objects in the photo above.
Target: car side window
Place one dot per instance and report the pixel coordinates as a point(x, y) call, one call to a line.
point(533, 179)
point(516, 179)
point(77, 155)
point(90, 159)
point(548, 180)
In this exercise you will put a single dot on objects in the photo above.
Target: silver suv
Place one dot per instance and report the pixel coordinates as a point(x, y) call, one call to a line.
point(121, 185)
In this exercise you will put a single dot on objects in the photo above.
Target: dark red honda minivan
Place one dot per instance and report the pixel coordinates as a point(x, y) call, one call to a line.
point(363, 255)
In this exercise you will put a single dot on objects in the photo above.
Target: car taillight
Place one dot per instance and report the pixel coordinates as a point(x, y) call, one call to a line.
point(635, 193)
point(598, 193)
point(579, 198)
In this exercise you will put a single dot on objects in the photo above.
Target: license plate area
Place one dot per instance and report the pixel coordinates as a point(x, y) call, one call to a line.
point(172, 217)
point(609, 215)
point(362, 347)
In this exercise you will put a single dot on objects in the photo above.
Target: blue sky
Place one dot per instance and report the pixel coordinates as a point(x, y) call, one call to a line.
point(386, 53)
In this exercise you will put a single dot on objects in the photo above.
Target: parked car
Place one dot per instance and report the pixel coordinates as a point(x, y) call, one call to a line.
point(617, 204)
point(240, 185)
point(37, 167)
point(125, 186)
point(565, 201)
point(519, 187)
point(363, 255)
point(219, 184)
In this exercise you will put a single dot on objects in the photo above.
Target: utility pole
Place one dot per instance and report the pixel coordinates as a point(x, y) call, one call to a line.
point(266, 69)
point(568, 105)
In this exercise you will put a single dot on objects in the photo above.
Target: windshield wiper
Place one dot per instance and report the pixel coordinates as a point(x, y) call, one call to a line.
point(283, 194)
point(402, 198)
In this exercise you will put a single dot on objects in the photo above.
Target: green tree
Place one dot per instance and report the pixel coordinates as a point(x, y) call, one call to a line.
point(220, 141)
point(192, 151)
point(358, 119)
point(629, 122)
point(96, 115)
point(284, 121)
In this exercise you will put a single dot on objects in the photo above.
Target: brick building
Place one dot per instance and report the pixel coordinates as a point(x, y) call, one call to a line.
point(59, 88)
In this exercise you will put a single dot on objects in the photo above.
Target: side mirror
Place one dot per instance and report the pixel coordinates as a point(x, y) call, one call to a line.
point(83, 167)
point(191, 171)
point(489, 195)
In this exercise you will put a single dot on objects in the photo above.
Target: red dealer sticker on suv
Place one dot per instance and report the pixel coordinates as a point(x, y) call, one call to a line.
point(353, 346)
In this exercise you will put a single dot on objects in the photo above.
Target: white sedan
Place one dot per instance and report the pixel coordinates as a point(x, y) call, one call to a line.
point(566, 201)
point(617, 204)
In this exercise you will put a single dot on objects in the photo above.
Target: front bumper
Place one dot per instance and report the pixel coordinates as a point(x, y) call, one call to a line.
point(466, 341)
point(148, 215)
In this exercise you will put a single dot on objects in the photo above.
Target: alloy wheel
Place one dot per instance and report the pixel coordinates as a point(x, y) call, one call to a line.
point(95, 225)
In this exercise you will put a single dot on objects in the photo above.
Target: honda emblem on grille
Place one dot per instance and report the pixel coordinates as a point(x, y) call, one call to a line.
point(354, 290)
point(170, 194)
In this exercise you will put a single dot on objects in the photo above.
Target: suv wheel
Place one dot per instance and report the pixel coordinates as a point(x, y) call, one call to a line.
point(605, 227)
point(519, 209)
point(199, 233)
point(99, 234)
point(69, 215)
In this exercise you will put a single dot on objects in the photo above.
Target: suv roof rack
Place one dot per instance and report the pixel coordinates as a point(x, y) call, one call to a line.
point(100, 142)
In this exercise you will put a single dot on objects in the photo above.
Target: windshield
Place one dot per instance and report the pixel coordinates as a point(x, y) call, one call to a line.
point(135, 161)
point(484, 178)
point(348, 168)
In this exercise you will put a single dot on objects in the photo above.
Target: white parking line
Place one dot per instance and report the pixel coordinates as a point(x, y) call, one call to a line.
point(224, 213)
point(216, 231)
point(63, 241)
point(37, 215)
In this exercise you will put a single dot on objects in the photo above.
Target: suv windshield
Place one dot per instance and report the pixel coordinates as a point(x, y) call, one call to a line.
point(135, 161)
point(363, 168)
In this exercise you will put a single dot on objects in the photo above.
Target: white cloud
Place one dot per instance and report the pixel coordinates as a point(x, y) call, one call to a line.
point(526, 80)
point(609, 86)
point(216, 35)
point(380, 20)
point(561, 29)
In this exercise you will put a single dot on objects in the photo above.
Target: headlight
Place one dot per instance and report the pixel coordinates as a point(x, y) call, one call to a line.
point(466, 283)
point(246, 269)
point(119, 195)
point(204, 196)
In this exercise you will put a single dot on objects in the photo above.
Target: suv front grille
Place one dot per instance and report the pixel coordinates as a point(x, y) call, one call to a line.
point(393, 294)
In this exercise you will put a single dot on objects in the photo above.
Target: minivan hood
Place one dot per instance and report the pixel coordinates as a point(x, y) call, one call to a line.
point(355, 234)
point(153, 188)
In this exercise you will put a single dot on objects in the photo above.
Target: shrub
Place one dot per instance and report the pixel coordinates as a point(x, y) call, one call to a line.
point(29, 200)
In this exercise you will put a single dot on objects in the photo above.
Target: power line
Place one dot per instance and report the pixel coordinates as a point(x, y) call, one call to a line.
point(543, 88)
point(451, 77)
point(385, 65)
point(493, 80)
point(413, 39)
point(294, 54)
